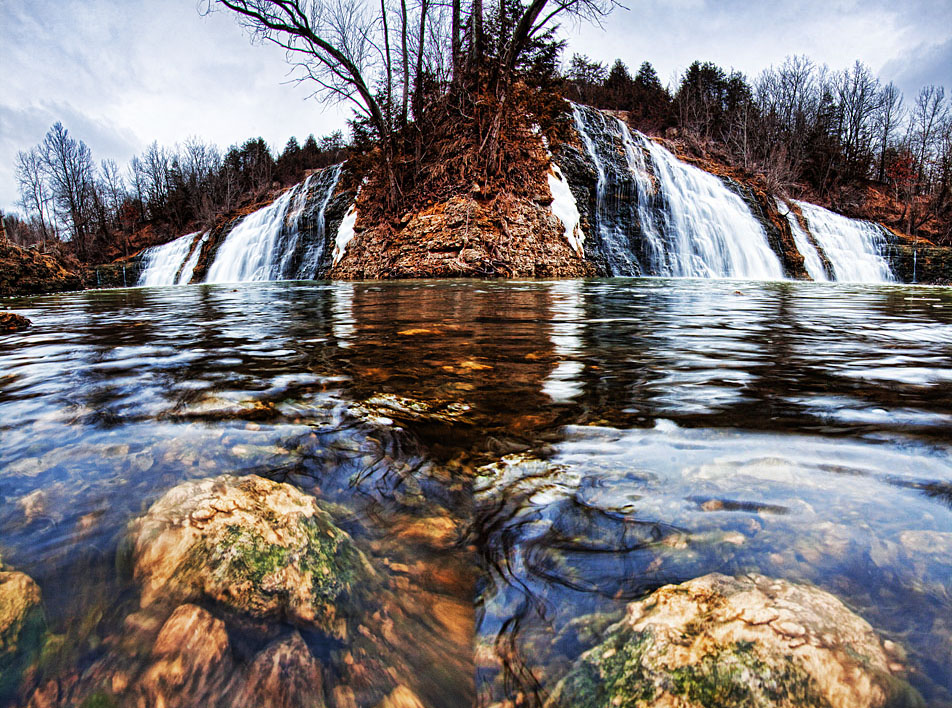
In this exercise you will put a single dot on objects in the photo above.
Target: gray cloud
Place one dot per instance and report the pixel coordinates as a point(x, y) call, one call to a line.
point(120, 74)
point(22, 128)
point(751, 36)
point(920, 66)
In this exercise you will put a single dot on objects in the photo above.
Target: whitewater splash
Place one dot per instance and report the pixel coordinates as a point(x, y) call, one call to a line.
point(189, 268)
point(812, 261)
point(855, 249)
point(270, 243)
point(163, 265)
point(657, 215)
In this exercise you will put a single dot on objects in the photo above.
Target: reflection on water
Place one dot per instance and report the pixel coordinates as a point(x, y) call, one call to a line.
point(517, 460)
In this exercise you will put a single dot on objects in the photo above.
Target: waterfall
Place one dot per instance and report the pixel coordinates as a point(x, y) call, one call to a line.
point(616, 218)
point(160, 264)
point(189, 268)
point(656, 215)
point(811, 257)
point(854, 248)
point(284, 240)
point(314, 254)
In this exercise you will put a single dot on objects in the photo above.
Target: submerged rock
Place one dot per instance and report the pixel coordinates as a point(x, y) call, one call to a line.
point(192, 661)
point(11, 322)
point(21, 627)
point(284, 674)
point(401, 697)
point(194, 666)
point(257, 547)
point(751, 641)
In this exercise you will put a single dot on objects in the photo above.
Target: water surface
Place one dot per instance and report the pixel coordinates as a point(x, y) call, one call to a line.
point(586, 442)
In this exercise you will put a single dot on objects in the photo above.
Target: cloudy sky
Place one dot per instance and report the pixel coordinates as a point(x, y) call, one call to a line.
point(121, 73)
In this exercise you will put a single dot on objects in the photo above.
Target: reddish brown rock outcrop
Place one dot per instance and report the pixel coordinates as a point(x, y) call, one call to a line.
point(466, 237)
point(24, 271)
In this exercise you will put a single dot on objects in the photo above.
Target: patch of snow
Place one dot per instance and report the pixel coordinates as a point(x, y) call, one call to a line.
point(565, 207)
point(345, 233)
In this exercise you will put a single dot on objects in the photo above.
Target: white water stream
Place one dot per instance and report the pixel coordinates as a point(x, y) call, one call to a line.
point(689, 223)
point(160, 264)
point(811, 257)
point(854, 248)
point(250, 251)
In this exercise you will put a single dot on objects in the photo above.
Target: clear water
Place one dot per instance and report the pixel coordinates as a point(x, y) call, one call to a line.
point(588, 440)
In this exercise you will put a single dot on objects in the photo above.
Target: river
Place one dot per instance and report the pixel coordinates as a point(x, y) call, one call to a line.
point(582, 442)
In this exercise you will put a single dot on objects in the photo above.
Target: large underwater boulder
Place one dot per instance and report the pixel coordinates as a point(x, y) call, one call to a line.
point(21, 627)
point(752, 641)
point(255, 546)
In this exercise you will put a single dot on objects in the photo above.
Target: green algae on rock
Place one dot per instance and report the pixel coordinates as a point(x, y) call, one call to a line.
point(257, 547)
point(752, 641)
point(22, 626)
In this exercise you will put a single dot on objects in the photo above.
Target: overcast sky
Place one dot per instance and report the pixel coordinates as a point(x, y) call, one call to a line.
point(121, 73)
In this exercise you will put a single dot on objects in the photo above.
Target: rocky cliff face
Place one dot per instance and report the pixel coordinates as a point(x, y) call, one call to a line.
point(24, 271)
point(921, 263)
point(466, 236)
point(634, 210)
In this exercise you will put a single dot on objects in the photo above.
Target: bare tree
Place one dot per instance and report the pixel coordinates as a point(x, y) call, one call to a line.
point(336, 45)
point(113, 191)
point(889, 114)
point(69, 167)
point(155, 165)
point(858, 96)
point(928, 114)
point(34, 194)
point(344, 48)
point(926, 128)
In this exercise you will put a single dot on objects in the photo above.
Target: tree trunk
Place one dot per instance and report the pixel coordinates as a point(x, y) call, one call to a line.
point(406, 61)
point(386, 42)
point(455, 41)
point(476, 47)
point(418, 77)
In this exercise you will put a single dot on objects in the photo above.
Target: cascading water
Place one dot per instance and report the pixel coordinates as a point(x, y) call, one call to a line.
point(854, 248)
point(161, 264)
point(311, 261)
point(707, 229)
point(616, 220)
point(189, 268)
point(657, 215)
point(283, 241)
point(811, 257)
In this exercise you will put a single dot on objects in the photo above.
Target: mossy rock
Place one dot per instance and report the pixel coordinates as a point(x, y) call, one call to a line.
point(22, 627)
point(256, 547)
point(750, 641)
